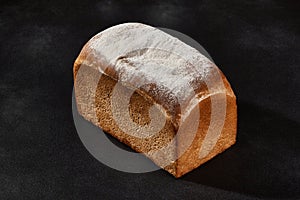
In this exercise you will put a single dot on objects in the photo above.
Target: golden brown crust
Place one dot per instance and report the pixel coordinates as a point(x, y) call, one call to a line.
point(139, 109)
point(227, 137)
point(190, 158)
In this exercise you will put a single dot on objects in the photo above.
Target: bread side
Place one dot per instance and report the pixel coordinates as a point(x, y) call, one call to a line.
point(94, 104)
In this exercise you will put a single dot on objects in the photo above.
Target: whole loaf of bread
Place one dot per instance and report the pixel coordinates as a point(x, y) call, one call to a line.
point(156, 94)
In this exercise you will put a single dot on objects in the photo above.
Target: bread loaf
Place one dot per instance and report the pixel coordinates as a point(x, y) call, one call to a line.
point(156, 94)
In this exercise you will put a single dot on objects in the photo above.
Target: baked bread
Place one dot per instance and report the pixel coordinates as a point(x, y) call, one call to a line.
point(156, 94)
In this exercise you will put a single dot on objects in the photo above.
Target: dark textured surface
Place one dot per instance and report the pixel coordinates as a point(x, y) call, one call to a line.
point(256, 45)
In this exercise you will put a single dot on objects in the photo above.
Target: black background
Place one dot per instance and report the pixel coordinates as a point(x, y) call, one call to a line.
point(255, 44)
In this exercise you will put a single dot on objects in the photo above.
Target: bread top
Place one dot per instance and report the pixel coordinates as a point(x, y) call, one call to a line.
point(156, 64)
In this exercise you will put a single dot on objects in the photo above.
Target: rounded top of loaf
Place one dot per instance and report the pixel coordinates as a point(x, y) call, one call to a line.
point(156, 64)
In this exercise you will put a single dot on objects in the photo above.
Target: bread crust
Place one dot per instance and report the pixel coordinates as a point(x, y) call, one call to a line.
point(98, 76)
